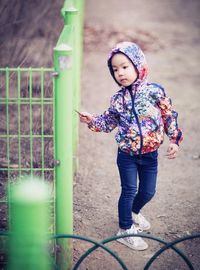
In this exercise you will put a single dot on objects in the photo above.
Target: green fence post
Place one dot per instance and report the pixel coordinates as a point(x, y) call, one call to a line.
point(29, 225)
point(80, 5)
point(78, 26)
point(67, 54)
point(63, 63)
point(70, 15)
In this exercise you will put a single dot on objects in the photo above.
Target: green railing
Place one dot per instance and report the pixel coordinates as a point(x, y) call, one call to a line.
point(67, 63)
point(27, 134)
point(29, 244)
point(39, 126)
point(26, 128)
point(102, 244)
point(96, 244)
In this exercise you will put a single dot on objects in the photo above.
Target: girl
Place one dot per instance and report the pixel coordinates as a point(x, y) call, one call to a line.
point(142, 112)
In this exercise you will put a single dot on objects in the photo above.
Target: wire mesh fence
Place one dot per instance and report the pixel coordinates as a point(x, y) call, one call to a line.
point(26, 129)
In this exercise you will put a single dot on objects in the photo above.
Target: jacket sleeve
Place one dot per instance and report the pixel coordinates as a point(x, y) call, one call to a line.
point(107, 121)
point(169, 117)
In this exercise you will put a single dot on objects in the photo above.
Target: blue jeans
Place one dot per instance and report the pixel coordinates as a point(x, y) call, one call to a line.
point(135, 194)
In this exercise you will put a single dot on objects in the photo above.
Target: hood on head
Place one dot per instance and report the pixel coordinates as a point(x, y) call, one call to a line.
point(135, 54)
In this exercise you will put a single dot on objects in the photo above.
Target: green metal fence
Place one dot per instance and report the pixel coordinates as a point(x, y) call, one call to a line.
point(67, 63)
point(26, 128)
point(27, 136)
point(166, 246)
point(39, 127)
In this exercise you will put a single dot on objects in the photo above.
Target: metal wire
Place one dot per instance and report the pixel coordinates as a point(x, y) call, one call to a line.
point(26, 96)
point(171, 245)
point(113, 238)
point(97, 244)
point(168, 245)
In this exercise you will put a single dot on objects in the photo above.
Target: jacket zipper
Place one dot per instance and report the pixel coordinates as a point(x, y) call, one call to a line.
point(137, 120)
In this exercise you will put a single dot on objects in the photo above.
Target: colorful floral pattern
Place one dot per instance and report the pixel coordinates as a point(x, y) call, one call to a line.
point(142, 113)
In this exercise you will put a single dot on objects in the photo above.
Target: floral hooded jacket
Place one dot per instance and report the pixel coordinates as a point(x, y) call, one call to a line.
point(142, 112)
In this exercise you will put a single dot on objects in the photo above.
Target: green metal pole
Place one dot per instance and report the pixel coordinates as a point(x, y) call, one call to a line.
point(67, 87)
point(63, 63)
point(78, 23)
point(80, 5)
point(70, 15)
point(29, 226)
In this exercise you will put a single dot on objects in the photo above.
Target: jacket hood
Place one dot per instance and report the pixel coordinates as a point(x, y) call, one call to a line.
point(137, 57)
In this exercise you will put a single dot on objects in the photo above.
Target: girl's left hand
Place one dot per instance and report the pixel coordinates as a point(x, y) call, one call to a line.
point(172, 151)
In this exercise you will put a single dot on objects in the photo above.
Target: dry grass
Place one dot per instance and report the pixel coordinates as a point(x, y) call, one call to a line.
point(28, 32)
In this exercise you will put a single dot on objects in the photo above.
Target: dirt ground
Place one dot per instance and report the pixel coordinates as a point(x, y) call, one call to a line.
point(168, 32)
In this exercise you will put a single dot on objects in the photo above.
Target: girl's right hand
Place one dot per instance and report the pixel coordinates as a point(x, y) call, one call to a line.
point(85, 117)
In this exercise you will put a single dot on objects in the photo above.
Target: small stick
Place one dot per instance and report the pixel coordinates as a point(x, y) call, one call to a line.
point(80, 114)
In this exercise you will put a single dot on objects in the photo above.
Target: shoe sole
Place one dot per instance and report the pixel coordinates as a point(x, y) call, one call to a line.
point(143, 229)
point(122, 241)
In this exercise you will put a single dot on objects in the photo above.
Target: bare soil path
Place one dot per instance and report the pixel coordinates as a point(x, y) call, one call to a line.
point(168, 31)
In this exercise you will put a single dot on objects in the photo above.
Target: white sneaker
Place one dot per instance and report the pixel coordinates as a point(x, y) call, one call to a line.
point(136, 243)
point(141, 221)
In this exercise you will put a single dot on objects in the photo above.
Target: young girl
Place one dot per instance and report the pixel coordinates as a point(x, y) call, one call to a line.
point(142, 112)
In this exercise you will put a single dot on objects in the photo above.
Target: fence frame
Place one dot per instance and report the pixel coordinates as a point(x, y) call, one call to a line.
point(67, 64)
point(102, 244)
point(66, 77)
point(15, 99)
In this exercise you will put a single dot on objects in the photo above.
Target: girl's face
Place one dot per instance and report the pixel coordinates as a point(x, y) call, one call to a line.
point(124, 70)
